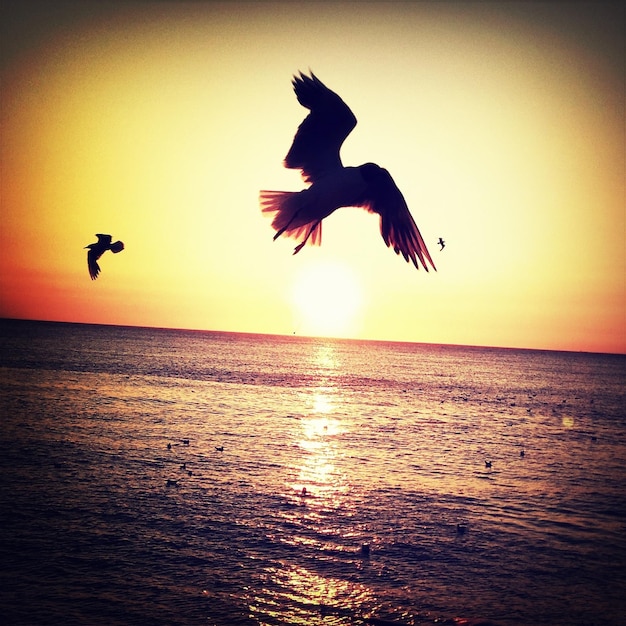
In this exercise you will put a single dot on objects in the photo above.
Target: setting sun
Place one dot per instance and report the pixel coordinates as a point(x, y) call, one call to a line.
point(327, 299)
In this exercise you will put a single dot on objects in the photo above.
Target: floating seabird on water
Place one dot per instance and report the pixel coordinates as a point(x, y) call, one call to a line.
point(315, 151)
point(96, 250)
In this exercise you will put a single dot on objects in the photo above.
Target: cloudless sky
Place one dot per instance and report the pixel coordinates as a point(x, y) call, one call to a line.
point(159, 123)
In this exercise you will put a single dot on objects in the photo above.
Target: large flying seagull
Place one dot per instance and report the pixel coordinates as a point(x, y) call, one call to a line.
point(96, 250)
point(315, 151)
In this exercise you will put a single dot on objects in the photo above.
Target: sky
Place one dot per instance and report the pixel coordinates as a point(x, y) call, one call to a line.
point(159, 122)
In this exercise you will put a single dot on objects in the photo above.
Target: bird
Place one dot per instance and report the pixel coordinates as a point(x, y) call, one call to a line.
point(315, 151)
point(96, 250)
point(219, 448)
point(488, 464)
point(442, 243)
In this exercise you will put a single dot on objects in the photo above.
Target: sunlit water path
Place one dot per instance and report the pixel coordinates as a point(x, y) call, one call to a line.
point(119, 505)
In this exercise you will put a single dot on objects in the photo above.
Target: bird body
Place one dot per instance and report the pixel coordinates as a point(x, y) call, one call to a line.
point(315, 151)
point(297, 210)
point(96, 250)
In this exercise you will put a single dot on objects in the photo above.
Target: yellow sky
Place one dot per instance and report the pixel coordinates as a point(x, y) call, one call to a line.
point(157, 122)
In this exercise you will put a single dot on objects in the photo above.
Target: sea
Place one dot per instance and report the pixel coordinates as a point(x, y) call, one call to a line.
point(171, 477)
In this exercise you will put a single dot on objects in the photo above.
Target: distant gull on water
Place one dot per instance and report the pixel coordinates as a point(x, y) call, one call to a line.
point(96, 250)
point(315, 151)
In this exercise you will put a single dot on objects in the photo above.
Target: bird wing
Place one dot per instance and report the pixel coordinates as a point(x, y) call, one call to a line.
point(397, 226)
point(104, 240)
point(92, 264)
point(316, 145)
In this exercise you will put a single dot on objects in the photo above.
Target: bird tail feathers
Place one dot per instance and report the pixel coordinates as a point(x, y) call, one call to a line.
point(289, 218)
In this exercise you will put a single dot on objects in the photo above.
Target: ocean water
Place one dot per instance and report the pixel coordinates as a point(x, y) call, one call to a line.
point(169, 477)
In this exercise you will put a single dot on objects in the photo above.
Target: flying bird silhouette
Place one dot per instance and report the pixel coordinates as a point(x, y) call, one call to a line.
point(96, 250)
point(442, 243)
point(315, 151)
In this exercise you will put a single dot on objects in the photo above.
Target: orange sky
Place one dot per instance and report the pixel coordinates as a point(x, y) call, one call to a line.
point(157, 122)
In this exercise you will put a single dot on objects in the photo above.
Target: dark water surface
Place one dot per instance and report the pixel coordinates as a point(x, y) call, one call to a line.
point(103, 524)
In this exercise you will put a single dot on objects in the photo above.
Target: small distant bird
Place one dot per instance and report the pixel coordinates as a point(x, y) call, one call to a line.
point(96, 250)
point(219, 448)
point(442, 243)
point(488, 464)
point(315, 151)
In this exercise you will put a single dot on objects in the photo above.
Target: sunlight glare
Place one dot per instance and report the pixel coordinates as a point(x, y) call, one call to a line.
point(327, 298)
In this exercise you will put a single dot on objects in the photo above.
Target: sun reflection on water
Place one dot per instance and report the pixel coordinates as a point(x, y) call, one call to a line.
point(318, 478)
point(322, 402)
point(292, 594)
point(317, 481)
point(325, 358)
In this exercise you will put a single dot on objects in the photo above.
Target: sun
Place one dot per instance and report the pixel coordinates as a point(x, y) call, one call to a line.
point(327, 299)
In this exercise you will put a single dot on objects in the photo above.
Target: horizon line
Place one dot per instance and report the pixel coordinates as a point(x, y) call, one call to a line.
point(311, 337)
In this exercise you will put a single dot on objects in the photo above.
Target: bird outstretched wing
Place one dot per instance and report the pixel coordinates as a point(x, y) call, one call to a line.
point(104, 240)
point(397, 226)
point(92, 263)
point(316, 145)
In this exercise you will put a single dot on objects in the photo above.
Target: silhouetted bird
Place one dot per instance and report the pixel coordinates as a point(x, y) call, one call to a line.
point(488, 464)
point(96, 250)
point(442, 243)
point(315, 151)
